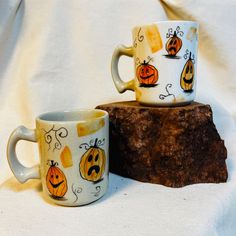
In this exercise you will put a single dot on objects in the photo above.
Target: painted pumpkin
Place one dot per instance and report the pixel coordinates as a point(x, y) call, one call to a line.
point(147, 74)
point(56, 181)
point(173, 44)
point(187, 76)
point(92, 164)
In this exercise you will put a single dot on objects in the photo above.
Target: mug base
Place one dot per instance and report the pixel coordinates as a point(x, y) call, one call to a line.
point(79, 204)
point(66, 203)
point(166, 104)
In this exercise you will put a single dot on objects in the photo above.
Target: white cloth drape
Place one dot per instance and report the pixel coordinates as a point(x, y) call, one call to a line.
point(55, 55)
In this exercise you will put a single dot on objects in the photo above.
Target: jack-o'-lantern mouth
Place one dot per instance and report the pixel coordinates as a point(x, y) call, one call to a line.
point(95, 168)
point(188, 81)
point(56, 185)
point(172, 49)
point(146, 76)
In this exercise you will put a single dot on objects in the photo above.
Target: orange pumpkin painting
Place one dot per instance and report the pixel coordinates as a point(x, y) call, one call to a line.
point(147, 75)
point(92, 164)
point(173, 44)
point(187, 76)
point(56, 180)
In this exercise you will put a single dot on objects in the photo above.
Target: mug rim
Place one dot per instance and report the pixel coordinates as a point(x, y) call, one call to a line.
point(167, 21)
point(42, 117)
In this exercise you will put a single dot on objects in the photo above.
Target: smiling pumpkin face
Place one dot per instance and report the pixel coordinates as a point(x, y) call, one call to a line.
point(187, 76)
point(56, 181)
point(147, 75)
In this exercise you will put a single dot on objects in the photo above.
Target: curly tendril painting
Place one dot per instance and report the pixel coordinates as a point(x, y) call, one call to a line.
point(92, 164)
point(168, 94)
point(146, 73)
point(76, 190)
point(53, 137)
point(97, 191)
point(187, 75)
point(139, 38)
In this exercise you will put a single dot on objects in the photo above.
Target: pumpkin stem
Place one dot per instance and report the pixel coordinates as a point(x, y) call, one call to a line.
point(175, 34)
point(52, 163)
point(190, 56)
point(95, 142)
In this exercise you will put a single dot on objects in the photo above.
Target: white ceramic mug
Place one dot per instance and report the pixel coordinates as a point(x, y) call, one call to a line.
point(165, 63)
point(73, 150)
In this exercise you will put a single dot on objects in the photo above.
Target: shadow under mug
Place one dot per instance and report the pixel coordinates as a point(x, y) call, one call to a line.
point(165, 63)
point(73, 150)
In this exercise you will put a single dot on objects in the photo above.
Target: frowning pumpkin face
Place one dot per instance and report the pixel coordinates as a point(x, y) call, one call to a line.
point(56, 180)
point(92, 164)
point(173, 45)
point(147, 74)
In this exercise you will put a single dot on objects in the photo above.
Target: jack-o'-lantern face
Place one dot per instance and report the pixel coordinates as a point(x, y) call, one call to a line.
point(187, 76)
point(92, 164)
point(147, 75)
point(173, 45)
point(56, 181)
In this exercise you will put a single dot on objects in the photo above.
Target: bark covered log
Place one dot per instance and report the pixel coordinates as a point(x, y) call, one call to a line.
point(172, 146)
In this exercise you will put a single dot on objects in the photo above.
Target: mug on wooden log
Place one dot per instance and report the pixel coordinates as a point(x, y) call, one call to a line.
point(165, 61)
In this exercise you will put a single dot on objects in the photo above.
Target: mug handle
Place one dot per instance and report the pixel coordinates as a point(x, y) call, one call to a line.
point(119, 83)
point(21, 172)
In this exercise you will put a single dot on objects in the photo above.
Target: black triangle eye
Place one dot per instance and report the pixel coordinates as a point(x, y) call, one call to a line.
point(187, 69)
point(90, 158)
point(96, 158)
point(191, 69)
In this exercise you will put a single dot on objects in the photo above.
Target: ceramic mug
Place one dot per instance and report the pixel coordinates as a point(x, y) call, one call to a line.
point(165, 63)
point(73, 150)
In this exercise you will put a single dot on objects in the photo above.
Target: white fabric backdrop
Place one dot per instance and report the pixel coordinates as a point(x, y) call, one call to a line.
point(56, 55)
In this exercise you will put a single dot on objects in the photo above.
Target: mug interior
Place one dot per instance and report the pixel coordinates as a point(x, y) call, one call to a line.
point(70, 116)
